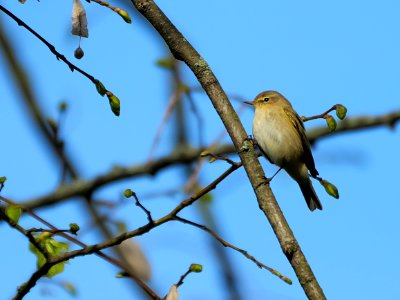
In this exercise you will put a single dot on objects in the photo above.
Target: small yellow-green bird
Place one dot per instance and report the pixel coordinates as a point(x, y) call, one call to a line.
point(281, 137)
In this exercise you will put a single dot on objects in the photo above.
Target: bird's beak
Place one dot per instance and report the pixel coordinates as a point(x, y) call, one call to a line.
point(249, 103)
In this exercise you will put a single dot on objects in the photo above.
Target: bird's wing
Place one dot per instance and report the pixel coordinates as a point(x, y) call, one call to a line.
point(299, 126)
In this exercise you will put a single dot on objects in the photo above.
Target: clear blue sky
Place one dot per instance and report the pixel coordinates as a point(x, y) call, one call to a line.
point(317, 54)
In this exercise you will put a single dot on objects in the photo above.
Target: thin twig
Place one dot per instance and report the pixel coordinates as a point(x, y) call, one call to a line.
point(53, 50)
point(320, 116)
point(175, 98)
point(229, 245)
point(147, 212)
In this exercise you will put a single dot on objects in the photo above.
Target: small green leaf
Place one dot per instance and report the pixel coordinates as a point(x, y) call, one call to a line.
point(330, 121)
point(341, 111)
point(166, 63)
point(101, 89)
point(128, 193)
point(13, 212)
point(330, 188)
point(197, 268)
point(3, 179)
point(74, 228)
point(212, 159)
point(287, 280)
point(53, 247)
point(204, 153)
point(56, 269)
point(114, 103)
point(124, 14)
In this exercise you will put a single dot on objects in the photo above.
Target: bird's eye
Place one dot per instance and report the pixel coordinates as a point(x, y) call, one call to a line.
point(265, 99)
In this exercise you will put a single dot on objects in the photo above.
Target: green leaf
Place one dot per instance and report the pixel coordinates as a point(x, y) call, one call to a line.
point(124, 14)
point(166, 63)
point(114, 103)
point(53, 247)
point(74, 228)
point(212, 159)
point(3, 179)
point(13, 212)
point(341, 111)
point(128, 193)
point(56, 269)
point(330, 121)
point(101, 89)
point(204, 153)
point(197, 268)
point(330, 188)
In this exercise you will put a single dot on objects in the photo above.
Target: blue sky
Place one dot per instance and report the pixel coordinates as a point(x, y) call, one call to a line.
point(316, 54)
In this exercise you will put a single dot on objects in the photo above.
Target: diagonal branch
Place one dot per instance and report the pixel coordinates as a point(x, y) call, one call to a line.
point(229, 245)
point(183, 50)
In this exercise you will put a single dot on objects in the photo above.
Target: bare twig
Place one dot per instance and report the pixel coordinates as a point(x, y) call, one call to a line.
point(53, 50)
point(305, 119)
point(147, 212)
point(173, 101)
point(229, 245)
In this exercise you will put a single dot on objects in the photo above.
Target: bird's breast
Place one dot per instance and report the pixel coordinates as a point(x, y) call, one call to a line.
point(276, 136)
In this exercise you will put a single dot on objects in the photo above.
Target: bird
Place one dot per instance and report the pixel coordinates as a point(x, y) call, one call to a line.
point(280, 135)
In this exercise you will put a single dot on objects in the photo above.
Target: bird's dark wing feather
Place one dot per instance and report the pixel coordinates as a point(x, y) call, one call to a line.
point(299, 126)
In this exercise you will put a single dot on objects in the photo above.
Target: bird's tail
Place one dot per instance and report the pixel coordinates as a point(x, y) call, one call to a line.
point(310, 195)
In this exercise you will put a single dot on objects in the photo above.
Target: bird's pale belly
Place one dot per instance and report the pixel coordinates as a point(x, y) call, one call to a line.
point(281, 146)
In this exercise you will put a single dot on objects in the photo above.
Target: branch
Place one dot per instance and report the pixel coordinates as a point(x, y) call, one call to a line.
point(172, 216)
point(152, 224)
point(183, 50)
point(81, 187)
point(229, 245)
point(25, 288)
point(355, 124)
point(101, 89)
point(53, 50)
point(188, 155)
